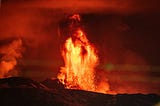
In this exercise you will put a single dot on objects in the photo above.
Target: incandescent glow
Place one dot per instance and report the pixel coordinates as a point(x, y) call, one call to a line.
point(80, 60)
point(10, 53)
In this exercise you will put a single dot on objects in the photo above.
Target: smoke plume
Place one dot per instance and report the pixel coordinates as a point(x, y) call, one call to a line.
point(10, 54)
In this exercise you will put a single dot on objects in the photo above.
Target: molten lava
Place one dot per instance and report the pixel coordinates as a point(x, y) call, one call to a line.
point(80, 60)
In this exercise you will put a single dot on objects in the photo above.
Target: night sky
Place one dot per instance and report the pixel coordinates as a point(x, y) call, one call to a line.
point(125, 32)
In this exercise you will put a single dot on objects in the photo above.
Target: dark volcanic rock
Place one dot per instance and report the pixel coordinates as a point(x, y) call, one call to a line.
point(53, 84)
point(37, 96)
point(20, 82)
point(26, 97)
point(41, 97)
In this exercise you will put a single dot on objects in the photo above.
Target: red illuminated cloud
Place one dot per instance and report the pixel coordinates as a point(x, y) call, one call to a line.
point(85, 6)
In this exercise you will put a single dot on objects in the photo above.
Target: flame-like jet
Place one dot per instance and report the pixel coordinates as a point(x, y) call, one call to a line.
point(80, 58)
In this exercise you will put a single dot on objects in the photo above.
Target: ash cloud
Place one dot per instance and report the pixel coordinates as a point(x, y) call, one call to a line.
point(38, 30)
point(10, 54)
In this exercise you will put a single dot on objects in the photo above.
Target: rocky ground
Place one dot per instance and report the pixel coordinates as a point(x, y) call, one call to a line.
point(17, 91)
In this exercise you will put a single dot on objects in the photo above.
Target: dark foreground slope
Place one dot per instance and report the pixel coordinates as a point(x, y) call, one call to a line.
point(38, 96)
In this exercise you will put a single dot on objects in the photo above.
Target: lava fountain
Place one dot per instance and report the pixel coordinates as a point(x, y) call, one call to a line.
point(80, 58)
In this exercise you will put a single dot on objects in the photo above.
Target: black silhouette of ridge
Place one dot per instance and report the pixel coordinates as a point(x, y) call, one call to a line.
point(19, 91)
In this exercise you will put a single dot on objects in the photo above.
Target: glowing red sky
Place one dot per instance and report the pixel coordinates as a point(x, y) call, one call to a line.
point(126, 33)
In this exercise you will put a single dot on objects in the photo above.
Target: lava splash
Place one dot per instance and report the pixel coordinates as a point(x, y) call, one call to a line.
point(80, 59)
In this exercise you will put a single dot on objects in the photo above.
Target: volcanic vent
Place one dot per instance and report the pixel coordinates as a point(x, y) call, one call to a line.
point(80, 58)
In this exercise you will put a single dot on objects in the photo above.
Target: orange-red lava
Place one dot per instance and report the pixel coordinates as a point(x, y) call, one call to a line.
point(80, 60)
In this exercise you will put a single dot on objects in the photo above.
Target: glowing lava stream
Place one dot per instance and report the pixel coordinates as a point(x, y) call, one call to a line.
point(80, 61)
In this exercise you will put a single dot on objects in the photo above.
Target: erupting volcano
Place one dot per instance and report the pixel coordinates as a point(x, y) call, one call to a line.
point(80, 58)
